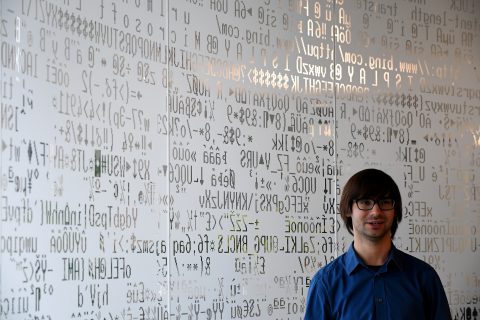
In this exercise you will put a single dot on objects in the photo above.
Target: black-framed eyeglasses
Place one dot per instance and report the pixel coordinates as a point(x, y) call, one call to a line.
point(368, 204)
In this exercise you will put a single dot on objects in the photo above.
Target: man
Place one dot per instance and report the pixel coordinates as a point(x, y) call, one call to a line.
point(373, 279)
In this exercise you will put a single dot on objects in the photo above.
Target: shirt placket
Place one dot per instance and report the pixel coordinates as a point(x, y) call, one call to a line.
point(380, 300)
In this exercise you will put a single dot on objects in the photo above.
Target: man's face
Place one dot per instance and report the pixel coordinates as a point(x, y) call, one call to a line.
point(373, 225)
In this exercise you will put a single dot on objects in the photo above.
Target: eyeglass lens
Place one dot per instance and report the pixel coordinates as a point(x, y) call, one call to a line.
point(368, 204)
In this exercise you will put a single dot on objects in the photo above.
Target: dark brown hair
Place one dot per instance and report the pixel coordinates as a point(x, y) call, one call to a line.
point(373, 184)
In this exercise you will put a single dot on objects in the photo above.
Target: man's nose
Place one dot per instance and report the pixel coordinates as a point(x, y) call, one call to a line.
point(376, 208)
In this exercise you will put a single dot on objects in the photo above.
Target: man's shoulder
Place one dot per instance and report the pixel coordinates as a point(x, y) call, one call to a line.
point(331, 270)
point(412, 263)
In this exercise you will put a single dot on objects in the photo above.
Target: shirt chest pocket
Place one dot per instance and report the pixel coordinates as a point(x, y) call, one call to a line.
point(403, 303)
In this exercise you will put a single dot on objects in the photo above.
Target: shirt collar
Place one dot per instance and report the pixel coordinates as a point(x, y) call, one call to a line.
point(352, 260)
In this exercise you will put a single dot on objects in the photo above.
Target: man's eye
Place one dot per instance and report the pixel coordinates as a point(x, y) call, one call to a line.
point(365, 201)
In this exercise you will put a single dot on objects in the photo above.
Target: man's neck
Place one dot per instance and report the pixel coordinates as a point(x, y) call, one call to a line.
point(373, 253)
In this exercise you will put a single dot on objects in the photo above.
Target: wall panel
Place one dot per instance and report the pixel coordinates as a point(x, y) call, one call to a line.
point(420, 124)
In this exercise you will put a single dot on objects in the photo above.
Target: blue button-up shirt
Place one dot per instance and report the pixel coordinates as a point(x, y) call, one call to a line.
point(405, 287)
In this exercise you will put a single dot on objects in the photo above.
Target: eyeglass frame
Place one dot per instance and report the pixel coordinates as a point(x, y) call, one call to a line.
point(376, 202)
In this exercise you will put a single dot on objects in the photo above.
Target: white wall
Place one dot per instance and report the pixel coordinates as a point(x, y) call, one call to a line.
point(183, 160)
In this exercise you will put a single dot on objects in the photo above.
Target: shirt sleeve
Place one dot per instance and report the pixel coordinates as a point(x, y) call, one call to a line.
point(317, 306)
point(438, 308)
